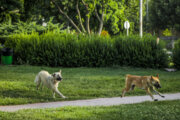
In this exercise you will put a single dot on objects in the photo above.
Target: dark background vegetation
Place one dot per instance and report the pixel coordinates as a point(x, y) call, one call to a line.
point(64, 42)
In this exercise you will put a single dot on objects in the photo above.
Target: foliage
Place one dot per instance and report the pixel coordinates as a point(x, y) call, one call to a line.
point(114, 12)
point(138, 52)
point(29, 27)
point(10, 10)
point(0, 50)
point(121, 11)
point(87, 11)
point(176, 54)
point(105, 33)
point(67, 50)
point(17, 83)
point(36, 10)
point(8, 29)
point(165, 14)
point(167, 32)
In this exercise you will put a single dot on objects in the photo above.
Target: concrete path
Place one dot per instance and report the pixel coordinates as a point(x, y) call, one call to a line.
point(91, 102)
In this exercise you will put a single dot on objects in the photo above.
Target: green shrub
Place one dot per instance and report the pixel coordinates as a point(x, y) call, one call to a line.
point(70, 50)
point(167, 32)
point(176, 54)
point(6, 30)
point(29, 27)
point(138, 52)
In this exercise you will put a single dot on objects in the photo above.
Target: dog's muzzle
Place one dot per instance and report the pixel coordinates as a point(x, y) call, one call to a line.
point(59, 78)
point(157, 85)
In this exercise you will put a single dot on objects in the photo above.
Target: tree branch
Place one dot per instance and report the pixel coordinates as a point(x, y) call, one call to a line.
point(85, 4)
point(79, 14)
point(62, 12)
point(87, 17)
point(101, 20)
point(97, 15)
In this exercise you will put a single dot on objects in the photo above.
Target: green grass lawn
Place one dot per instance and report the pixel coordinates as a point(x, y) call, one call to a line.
point(17, 83)
point(162, 110)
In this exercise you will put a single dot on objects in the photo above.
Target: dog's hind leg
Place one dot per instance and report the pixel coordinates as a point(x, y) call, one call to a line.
point(59, 93)
point(127, 88)
point(124, 91)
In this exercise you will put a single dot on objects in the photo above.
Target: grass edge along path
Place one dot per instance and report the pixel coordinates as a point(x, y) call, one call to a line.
point(160, 110)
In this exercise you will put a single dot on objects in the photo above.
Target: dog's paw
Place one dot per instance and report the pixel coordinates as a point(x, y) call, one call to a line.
point(155, 99)
point(64, 97)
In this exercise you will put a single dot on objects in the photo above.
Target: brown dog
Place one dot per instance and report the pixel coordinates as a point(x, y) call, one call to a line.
point(144, 82)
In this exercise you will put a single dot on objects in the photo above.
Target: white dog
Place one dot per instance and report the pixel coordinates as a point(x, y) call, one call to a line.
point(51, 81)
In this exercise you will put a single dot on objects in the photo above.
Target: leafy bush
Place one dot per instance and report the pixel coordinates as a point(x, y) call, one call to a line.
point(167, 32)
point(69, 50)
point(105, 33)
point(7, 29)
point(29, 27)
point(176, 54)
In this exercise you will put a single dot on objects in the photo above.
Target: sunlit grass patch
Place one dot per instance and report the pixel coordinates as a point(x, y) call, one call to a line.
point(17, 83)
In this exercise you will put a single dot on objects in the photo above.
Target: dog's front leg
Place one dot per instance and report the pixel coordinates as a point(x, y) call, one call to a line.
point(149, 92)
point(158, 93)
point(41, 87)
point(59, 93)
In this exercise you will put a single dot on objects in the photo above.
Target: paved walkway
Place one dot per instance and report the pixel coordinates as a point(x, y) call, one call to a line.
point(91, 102)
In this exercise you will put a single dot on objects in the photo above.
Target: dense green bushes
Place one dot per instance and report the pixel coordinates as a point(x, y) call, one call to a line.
point(69, 50)
point(7, 29)
point(138, 52)
point(176, 54)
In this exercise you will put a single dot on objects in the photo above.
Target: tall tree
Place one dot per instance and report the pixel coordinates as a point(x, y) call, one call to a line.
point(86, 16)
point(91, 7)
point(120, 11)
point(165, 14)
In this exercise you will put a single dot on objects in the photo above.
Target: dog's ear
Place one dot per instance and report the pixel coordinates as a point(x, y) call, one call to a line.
point(157, 75)
point(60, 71)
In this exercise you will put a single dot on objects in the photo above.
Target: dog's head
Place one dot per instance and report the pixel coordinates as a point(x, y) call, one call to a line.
point(57, 76)
point(155, 81)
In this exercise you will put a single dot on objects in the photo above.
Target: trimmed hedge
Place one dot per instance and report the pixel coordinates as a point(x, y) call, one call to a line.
point(176, 54)
point(145, 52)
point(67, 50)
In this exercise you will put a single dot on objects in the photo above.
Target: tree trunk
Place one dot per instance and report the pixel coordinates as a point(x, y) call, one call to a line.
point(87, 17)
point(79, 14)
point(100, 27)
point(87, 23)
point(101, 20)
